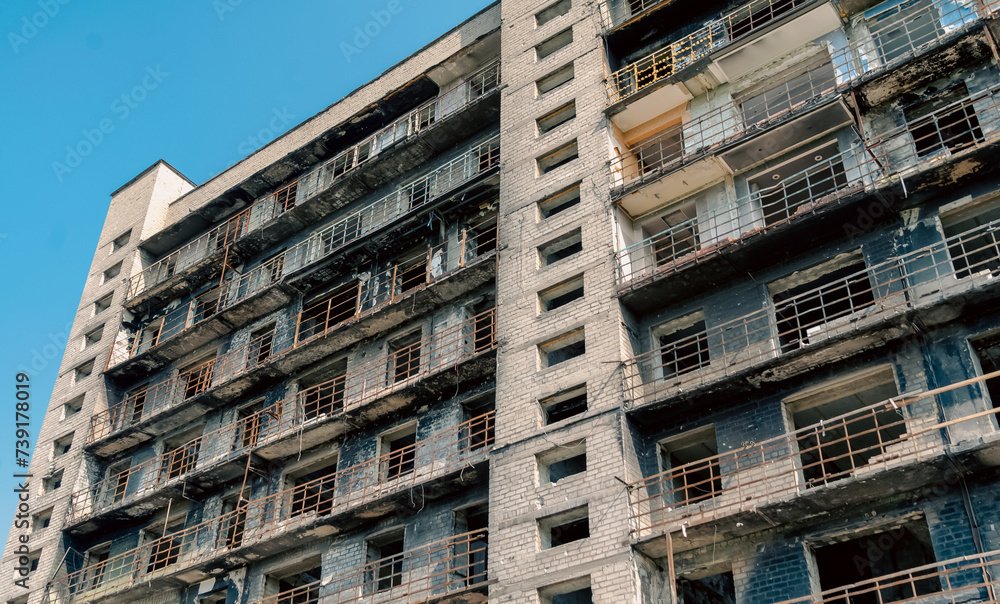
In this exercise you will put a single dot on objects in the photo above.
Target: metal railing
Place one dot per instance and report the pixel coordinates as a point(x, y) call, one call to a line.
point(406, 200)
point(616, 12)
point(871, 52)
point(431, 354)
point(439, 569)
point(901, 430)
point(846, 300)
point(964, 579)
point(320, 178)
point(971, 121)
point(299, 505)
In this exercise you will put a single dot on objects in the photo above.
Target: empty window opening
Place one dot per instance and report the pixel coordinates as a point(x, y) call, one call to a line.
point(661, 150)
point(135, 406)
point(560, 295)
point(411, 273)
point(834, 448)
point(180, 453)
point(564, 528)
point(713, 589)
point(103, 304)
point(61, 446)
point(553, 11)
point(473, 519)
point(973, 250)
point(903, 27)
point(385, 559)
point(72, 407)
point(576, 591)
point(558, 157)
point(165, 546)
point(870, 559)
point(806, 303)
point(558, 117)
point(313, 488)
point(33, 560)
point(564, 405)
point(297, 584)
point(563, 200)
point(479, 430)
point(489, 156)
point(323, 392)
point(944, 122)
point(97, 558)
point(399, 451)
point(41, 520)
point(554, 44)
point(117, 481)
point(565, 347)
point(674, 234)
point(234, 520)
point(261, 345)
point(404, 358)
point(206, 305)
point(683, 346)
point(250, 420)
point(555, 79)
point(694, 469)
point(328, 310)
point(561, 247)
point(111, 273)
point(808, 178)
point(83, 371)
point(562, 462)
point(988, 351)
point(51, 483)
point(93, 337)
point(197, 377)
point(771, 101)
point(121, 241)
point(217, 598)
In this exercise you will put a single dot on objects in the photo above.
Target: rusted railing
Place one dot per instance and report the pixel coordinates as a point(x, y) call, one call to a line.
point(407, 199)
point(148, 401)
point(269, 207)
point(850, 299)
point(421, 574)
point(299, 505)
point(901, 430)
point(971, 121)
point(964, 579)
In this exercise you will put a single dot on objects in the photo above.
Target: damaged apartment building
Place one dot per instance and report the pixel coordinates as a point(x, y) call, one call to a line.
point(587, 301)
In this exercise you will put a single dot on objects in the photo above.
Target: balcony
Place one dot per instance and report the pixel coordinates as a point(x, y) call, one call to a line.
point(216, 313)
point(341, 501)
point(849, 311)
point(409, 141)
point(615, 13)
point(153, 410)
point(450, 570)
point(928, 143)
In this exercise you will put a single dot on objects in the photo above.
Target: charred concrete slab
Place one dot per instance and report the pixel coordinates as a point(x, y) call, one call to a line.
point(180, 284)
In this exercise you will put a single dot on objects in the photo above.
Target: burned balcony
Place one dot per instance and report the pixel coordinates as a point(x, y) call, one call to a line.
point(217, 312)
point(332, 503)
point(842, 305)
point(417, 135)
point(452, 569)
point(903, 441)
point(154, 409)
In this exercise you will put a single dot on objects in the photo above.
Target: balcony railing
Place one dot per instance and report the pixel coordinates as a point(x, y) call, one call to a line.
point(269, 207)
point(889, 434)
point(871, 52)
point(451, 345)
point(971, 121)
point(299, 505)
point(616, 12)
point(965, 579)
point(844, 303)
point(442, 568)
point(406, 200)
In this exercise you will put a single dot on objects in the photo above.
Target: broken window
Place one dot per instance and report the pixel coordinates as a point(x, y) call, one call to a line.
point(117, 482)
point(576, 591)
point(797, 87)
point(180, 454)
point(483, 328)
point(564, 405)
point(404, 358)
point(111, 273)
point(399, 452)
point(72, 407)
point(806, 304)
point(556, 117)
point(713, 589)
point(564, 461)
point(557, 157)
point(564, 528)
point(197, 377)
point(973, 248)
point(93, 337)
point(479, 428)
point(948, 120)
point(328, 310)
point(165, 545)
point(469, 557)
point(673, 234)
point(313, 488)
point(833, 448)
point(563, 348)
point(249, 421)
point(53, 482)
point(411, 273)
point(554, 80)
point(121, 241)
point(683, 346)
point(902, 547)
point(489, 156)
point(323, 392)
point(693, 466)
point(62, 445)
point(782, 190)
point(261, 345)
point(988, 351)
point(563, 200)
point(233, 521)
point(41, 520)
point(903, 27)
point(298, 584)
point(135, 405)
point(96, 559)
point(385, 559)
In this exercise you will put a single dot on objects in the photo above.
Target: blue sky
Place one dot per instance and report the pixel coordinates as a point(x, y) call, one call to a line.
point(198, 83)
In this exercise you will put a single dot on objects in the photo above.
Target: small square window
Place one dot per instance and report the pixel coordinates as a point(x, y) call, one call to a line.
point(576, 591)
point(564, 528)
point(552, 12)
point(83, 371)
point(555, 79)
point(565, 347)
point(71, 408)
point(554, 44)
point(559, 156)
point(41, 520)
point(563, 200)
point(121, 241)
point(111, 273)
point(103, 304)
point(33, 560)
point(561, 294)
point(51, 483)
point(561, 247)
point(93, 337)
point(564, 405)
point(555, 118)
point(62, 445)
point(562, 462)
